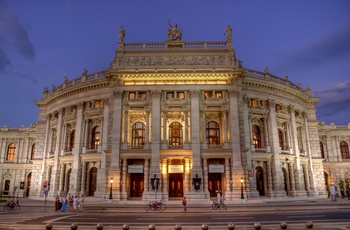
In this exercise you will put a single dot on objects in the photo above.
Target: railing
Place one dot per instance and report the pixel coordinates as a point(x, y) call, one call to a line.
point(272, 78)
point(163, 45)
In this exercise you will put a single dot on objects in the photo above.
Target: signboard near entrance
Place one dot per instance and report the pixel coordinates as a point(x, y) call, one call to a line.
point(216, 168)
point(175, 169)
point(135, 168)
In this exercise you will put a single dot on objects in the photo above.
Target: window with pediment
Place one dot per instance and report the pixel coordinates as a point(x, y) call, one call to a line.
point(175, 134)
point(138, 135)
point(32, 152)
point(300, 139)
point(213, 133)
point(322, 149)
point(71, 140)
point(281, 139)
point(11, 151)
point(344, 150)
point(256, 135)
point(53, 140)
point(95, 137)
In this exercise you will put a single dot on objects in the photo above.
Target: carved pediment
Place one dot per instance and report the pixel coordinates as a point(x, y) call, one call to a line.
point(283, 114)
point(137, 103)
point(93, 113)
point(259, 110)
point(214, 102)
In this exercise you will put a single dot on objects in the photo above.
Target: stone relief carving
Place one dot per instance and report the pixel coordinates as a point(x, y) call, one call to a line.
point(172, 60)
point(135, 117)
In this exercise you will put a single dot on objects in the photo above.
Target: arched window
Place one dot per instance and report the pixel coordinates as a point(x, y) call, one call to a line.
point(175, 134)
point(71, 140)
point(280, 138)
point(32, 152)
point(138, 135)
point(344, 149)
point(11, 151)
point(256, 136)
point(95, 137)
point(322, 149)
point(213, 133)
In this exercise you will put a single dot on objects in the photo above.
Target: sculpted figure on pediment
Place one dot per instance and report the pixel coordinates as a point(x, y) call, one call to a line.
point(174, 33)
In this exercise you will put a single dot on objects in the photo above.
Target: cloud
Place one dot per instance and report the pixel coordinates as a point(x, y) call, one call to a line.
point(333, 49)
point(14, 34)
point(334, 105)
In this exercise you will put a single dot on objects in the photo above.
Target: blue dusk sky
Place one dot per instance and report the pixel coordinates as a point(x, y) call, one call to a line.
point(41, 41)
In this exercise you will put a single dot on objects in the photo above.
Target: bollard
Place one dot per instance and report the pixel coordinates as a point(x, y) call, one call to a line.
point(230, 226)
point(49, 226)
point(74, 226)
point(309, 224)
point(257, 225)
point(151, 227)
point(283, 225)
point(99, 226)
point(178, 227)
point(205, 227)
point(126, 227)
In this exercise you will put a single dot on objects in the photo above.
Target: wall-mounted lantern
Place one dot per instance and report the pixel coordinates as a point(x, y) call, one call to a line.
point(196, 182)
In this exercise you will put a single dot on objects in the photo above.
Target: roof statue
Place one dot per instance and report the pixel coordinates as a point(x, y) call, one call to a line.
point(228, 33)
point(121, 34)
point(174, 33)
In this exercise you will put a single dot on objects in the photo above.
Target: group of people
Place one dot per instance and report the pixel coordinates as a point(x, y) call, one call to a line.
point(73, 203)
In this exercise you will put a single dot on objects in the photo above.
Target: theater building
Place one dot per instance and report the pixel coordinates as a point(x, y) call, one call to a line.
point(173, 119)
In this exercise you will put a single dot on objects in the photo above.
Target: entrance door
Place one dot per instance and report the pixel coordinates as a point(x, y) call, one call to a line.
point(260, 181)
point(214, 184)
point(29, 180)
point(176, 185)
point(136, 184)
point(92, 182)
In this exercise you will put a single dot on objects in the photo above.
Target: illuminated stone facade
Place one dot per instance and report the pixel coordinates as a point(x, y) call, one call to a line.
point(187, 115)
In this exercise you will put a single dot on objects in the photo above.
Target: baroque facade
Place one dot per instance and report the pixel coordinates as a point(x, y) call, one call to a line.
point(173, 119)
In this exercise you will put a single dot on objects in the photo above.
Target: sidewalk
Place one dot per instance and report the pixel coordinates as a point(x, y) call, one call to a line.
point(92, 204)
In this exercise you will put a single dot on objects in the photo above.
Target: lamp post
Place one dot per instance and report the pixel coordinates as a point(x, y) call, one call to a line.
point(242, 194)
point(110, 193)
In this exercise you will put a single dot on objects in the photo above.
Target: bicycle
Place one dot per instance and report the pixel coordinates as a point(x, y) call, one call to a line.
point(155, 206)
point(12, 205)
point(217, 205)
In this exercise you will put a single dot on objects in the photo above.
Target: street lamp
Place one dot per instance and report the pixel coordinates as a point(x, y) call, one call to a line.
point(110, 193)
point(242, 194)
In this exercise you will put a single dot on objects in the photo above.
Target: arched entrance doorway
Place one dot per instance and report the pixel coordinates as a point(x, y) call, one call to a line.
point(92, 181)
point(260, 181)
point(67, 181)
point(326, 183)
point(28, 182)
point(285, 181)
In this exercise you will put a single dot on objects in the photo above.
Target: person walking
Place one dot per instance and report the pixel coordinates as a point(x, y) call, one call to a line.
point(57, 201)
point(81, 203)
point(184, 203)
point(64, 204)
point(75, 203)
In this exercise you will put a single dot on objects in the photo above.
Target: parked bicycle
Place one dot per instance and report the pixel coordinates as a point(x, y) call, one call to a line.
point(12, 205)
point(155, 206)
point(217, 205)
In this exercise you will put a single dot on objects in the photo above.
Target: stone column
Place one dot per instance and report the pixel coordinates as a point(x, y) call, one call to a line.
point(165, 125)
point(62, 177)
point(187, 176)
point(204, 130)
point(124, 195)
point(269, 179)
point(83, 179)
point(186, 143)
point(205, 179)
point(147, 131)
point(86, 144)
point(146, 176)
point(235, 135)
point(225, 125)
point(266, 134)
point(165, 178)
point(126, 129)
point(227, 192)
point(75, 176)
point(278, 183)
point(291, 178)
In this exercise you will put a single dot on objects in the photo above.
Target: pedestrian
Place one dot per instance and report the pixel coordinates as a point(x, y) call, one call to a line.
point(64, 204)
point(348, 193)
point(81, 203)
point(184, 203)
point(75, 203)
point(70, 201)
point(57, 201)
